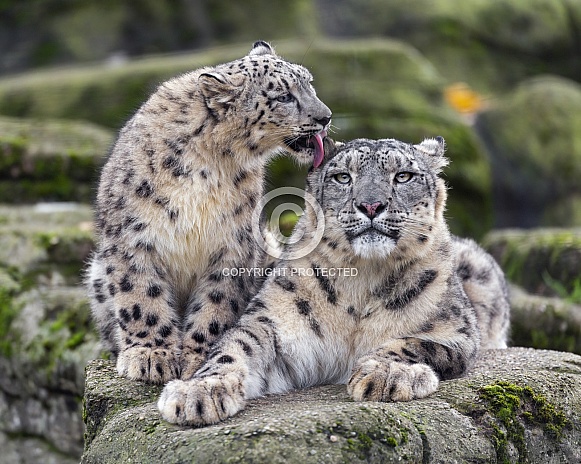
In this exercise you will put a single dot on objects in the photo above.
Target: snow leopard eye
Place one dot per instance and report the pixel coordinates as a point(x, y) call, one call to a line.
point(403, 177)
point(342, 178)
point(286, 98)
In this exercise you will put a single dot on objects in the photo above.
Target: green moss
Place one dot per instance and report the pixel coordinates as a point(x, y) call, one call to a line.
point(12, 149)
point(151, 427)
point(60, 188)
point(391, 441)
point(511, 405)
point(66, 326)
point(404, 436)
point(286, 222)
point(365, 440)
point(65, 245)
point(544, 340)
point(8, 312)
point(10, 286)
point(75, 340)
point(366, 443)
point(359, 446)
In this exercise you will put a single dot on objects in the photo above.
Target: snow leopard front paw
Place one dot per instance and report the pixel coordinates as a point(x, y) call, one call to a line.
point(148, 364)
point(373, 380)
point(200, 402)
point(190, 362)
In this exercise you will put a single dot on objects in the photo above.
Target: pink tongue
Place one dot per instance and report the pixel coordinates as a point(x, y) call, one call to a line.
point(319, 150)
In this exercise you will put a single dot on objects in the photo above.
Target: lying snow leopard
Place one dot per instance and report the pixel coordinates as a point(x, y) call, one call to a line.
point(174, 207)
point(422, 305)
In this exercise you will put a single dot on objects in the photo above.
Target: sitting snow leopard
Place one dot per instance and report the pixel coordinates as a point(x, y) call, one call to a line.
point(174, 207)
point(422, 305)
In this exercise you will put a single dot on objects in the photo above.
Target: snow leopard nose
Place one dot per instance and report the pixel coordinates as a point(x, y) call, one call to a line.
point(323, 121)
point(371, 209)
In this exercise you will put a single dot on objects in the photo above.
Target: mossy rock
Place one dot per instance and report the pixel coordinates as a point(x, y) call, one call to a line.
point(376, 88)
point(46, 335)
point(489, 44)
point(534, 141)
point(516, 405)
point(46, 340)
point(47, 244)
point(49, 339)
point(50, 160)
point(542, 261)
point(545, 322)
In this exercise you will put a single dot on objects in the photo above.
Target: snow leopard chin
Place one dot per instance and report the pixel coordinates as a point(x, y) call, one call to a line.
point(373, 245)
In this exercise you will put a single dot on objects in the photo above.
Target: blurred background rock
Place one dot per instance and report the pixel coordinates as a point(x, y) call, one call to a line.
point(500, 80)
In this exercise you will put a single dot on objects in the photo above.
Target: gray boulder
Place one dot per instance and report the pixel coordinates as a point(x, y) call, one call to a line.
point(533, 138)
point(517, 405)
point(545, 322)
point(50, 160)
point(42, 356)
point(544, 267)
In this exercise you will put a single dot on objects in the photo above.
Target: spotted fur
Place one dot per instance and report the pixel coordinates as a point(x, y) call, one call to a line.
point(422, 305)
point(174, 208)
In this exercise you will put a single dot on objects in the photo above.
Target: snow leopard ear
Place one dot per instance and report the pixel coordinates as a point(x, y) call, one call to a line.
point(435, 149)
point(218, 91)
point(331, 148)
point(261, 48)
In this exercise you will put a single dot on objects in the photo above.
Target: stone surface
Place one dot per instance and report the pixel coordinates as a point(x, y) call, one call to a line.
point(464, 421)
point(46, 342)
point(46, 337)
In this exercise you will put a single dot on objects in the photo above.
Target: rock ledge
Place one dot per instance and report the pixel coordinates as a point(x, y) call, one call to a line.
point(517, 405)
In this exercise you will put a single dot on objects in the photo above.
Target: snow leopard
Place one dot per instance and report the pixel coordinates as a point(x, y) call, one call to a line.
point(416, 307)
point(174, 202)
